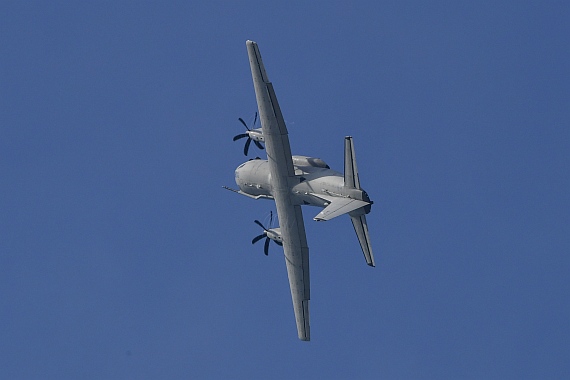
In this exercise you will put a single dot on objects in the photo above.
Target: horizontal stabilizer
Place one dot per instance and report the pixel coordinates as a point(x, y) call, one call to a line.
point(339, 206)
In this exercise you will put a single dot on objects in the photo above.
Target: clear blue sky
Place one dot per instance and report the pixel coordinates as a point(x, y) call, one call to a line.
point(121, 257)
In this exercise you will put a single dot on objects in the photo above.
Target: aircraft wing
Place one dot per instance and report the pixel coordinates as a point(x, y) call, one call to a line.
point(282, 177)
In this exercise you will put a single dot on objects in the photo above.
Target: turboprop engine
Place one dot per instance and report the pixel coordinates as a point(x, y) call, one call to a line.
point(253, 134)
point(269, 234)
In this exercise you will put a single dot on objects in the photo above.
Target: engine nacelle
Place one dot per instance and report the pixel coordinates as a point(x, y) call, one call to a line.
point(256, 134)
point(274, 234)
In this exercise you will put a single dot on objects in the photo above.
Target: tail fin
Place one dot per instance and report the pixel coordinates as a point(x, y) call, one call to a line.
point(350, 170)
point(357, 217)
point(361, 228)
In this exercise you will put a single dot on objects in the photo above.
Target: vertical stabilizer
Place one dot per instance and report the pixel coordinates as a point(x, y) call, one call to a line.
point(361, 229)
point(358, 217)
point(350, 170)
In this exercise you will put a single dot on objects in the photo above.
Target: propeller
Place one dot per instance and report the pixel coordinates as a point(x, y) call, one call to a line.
point(249, 139)
point(264, 235)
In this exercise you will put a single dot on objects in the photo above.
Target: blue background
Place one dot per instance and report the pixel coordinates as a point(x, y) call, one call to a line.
point(121, 257)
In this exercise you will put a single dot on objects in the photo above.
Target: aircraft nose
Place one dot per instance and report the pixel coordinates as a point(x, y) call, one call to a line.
point(243, 173)
point(239, 174)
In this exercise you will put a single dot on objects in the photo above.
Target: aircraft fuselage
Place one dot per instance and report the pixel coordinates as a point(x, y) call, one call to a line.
point(314, 182)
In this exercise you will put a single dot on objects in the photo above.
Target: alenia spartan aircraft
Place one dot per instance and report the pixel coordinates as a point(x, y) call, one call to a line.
point(294, 181)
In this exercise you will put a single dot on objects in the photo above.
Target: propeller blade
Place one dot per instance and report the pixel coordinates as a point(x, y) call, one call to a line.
point(241, 136)
point(243, 122)
point(254, 119)
point(258, 144)
point(258, 238)
point(278, 243)
point(266, 247)
point(259, 224)
point(246, 147)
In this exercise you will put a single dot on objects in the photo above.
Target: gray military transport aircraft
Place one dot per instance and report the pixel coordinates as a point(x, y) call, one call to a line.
point(294, 181)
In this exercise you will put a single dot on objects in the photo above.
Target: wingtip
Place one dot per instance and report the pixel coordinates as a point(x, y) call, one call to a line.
point(305, 337)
